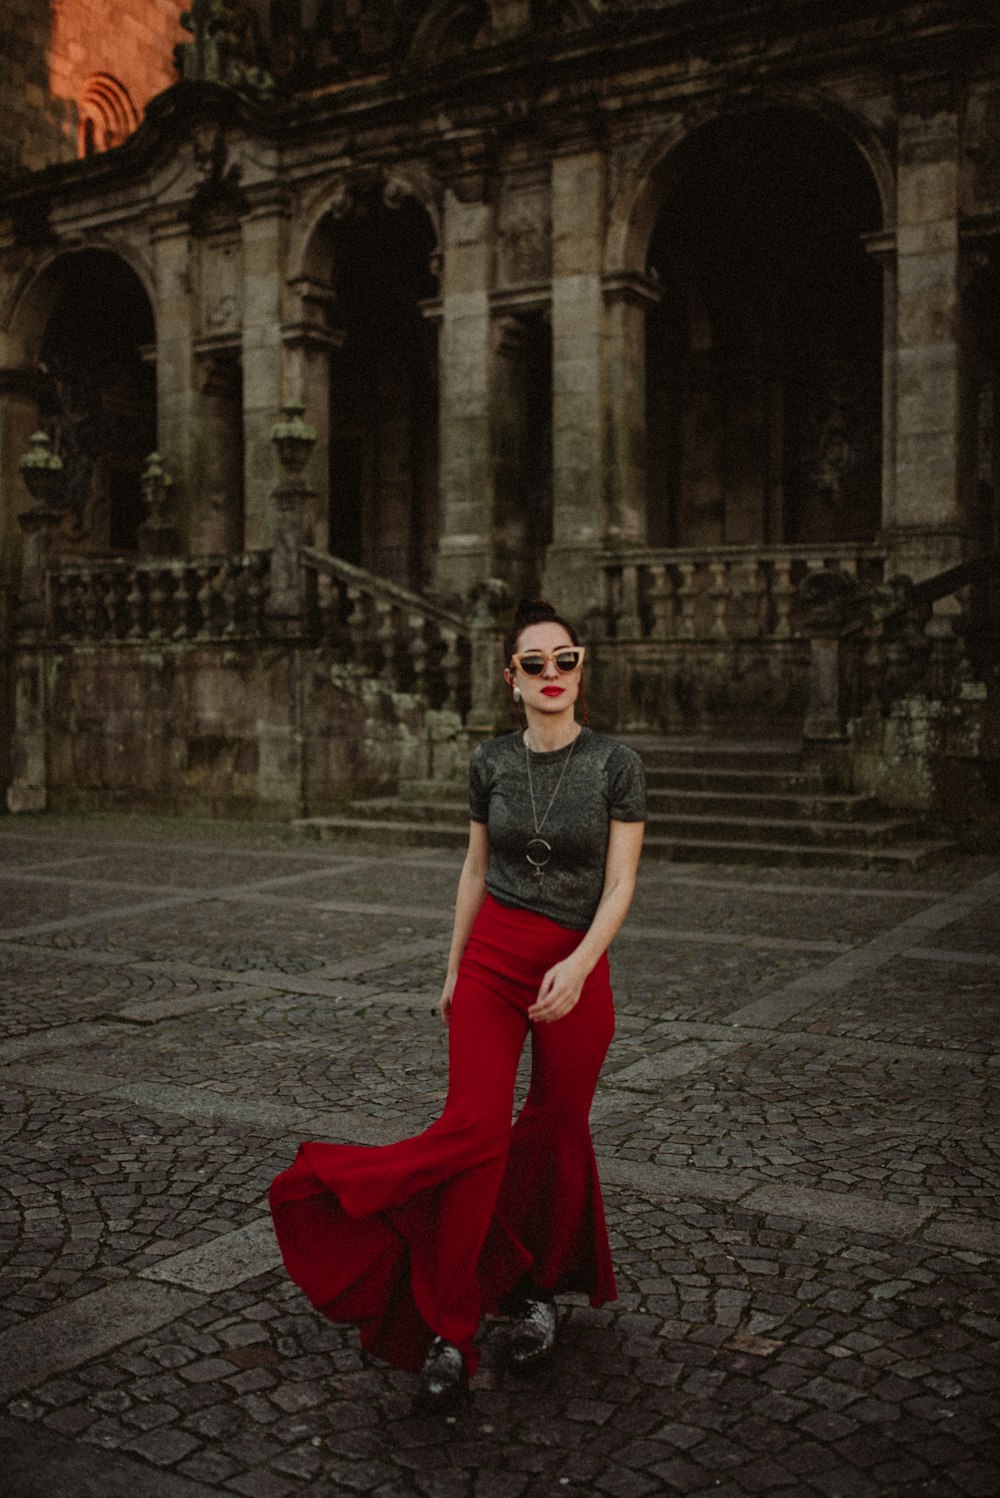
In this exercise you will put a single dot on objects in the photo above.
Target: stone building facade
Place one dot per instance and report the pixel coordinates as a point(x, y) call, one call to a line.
point(685, 313)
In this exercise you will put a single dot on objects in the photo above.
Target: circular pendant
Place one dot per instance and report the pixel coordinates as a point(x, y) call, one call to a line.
point(538, 852)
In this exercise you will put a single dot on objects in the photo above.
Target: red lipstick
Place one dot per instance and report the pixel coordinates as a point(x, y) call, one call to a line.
point(552, 691)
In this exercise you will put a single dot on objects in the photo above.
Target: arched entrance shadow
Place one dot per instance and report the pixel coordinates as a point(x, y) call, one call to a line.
point(370, 260)
point(86, 325)
point(764, 359)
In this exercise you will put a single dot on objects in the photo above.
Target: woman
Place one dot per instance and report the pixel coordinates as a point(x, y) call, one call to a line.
point(416, 1240)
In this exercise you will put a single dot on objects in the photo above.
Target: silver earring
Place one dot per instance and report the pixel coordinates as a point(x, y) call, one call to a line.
point(516, 694)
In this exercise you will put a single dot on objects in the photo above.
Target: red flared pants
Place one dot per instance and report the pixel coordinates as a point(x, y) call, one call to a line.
point(419, 1238)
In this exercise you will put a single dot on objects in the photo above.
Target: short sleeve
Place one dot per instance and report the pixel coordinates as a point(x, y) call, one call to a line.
point(479, 788)
point(626, 786)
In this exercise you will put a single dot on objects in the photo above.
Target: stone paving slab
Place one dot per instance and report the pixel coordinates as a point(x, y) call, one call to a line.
point(55, 1468)
point(935, 1003)
point(797, 1136)
point(70, 1335)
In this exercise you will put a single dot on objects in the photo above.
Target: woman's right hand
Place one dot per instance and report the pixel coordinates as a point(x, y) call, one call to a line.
point(444, 1004)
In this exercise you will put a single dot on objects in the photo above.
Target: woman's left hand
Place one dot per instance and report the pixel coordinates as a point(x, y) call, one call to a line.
point(560, 989)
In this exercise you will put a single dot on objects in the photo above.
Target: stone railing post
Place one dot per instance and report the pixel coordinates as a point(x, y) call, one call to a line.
point(824, 599)
point(294, 440)
point(41, 470)
point(824, 717)
point(486, 666)
point(157, 533)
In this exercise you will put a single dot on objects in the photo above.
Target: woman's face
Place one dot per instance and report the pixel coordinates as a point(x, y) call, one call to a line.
point(553, 691)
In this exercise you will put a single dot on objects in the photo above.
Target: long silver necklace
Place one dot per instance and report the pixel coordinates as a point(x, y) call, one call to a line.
point(539, 850)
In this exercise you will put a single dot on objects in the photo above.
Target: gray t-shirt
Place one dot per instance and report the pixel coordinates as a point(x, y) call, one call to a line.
point(604, 782)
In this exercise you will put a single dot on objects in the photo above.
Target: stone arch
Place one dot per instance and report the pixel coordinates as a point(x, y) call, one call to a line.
point(637, 203)
point(29, 304)
point(764, 358)
point(337, 197)
point(82, 333)
point(106, 115)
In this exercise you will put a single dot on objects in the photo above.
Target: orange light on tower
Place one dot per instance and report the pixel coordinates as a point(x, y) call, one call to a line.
point(106, 60)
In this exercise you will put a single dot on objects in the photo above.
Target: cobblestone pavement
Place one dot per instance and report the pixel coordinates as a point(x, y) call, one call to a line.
point(797, 1135)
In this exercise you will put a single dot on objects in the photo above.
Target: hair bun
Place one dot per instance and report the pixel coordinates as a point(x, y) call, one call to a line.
point(534, 611)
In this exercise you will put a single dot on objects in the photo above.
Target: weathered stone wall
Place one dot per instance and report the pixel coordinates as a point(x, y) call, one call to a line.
point(933, 758)
point(6, 690)
point(742, 688)
point(49, 49)
point(258, 731)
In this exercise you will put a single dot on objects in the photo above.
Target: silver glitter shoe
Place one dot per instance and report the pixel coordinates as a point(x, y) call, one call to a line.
point(443, 1380)
point(533, 1332)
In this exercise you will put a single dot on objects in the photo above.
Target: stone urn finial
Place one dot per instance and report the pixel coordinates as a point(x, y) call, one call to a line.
point(42, 471)
point(294, 439)
point(156, 485)
point(157, 533)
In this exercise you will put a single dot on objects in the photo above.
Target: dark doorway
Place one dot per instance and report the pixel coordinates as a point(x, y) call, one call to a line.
point(383, 391)
point(522, 450)
point(99, 395)
point(765, 357)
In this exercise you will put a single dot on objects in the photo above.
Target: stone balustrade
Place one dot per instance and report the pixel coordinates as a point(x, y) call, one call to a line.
point(408, 642)
point(182, 599)
point(930, 639)
point(722, 594)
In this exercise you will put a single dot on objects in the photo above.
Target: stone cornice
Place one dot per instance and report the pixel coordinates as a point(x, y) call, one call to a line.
point(540, 88)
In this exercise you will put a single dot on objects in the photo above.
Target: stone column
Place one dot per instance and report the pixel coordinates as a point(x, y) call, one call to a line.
point(628, 299)
point(579, 516)
point(881, 246)
point(176, 411)
point(466, 354)
point(925, 527)
point(18, 419)
point(264, 234)
point(42, 473)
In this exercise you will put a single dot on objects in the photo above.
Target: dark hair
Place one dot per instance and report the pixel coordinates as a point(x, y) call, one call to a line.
point(533, 611)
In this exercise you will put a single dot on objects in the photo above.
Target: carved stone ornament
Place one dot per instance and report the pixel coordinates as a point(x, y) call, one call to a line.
point(219, 196)
point(225, 49)
point(42, 471)
point(823, 601)
point(293, 438)
point(525, 249)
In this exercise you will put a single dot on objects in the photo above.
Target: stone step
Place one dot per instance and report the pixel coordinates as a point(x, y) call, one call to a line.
point(453, 812)
point(718, 801)
point(808, 803)
point(715, 821)
point(906, 857)
point(711, 755)
point(392, 831)
point(910, 855)
point(780, 831)
point(740, 782)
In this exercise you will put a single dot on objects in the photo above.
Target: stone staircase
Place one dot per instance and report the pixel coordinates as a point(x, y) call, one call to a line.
point(723, 802)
